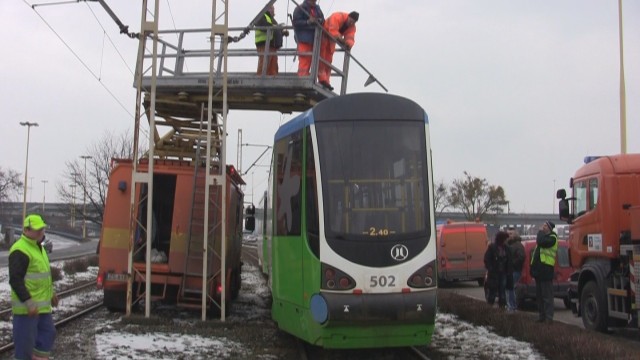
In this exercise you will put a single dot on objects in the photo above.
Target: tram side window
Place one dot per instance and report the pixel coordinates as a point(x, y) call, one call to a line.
point(288, 192)
point(313, 221)
point(580, 193)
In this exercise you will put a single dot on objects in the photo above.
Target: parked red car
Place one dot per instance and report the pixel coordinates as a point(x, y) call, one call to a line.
point(526, 287)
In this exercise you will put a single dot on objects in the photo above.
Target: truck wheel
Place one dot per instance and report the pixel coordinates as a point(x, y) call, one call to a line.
point(520, 300)
point(593, 308)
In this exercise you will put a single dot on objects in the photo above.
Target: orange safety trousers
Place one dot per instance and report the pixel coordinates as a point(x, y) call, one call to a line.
point(304, 61)
point(327, 49)
point(272, 62)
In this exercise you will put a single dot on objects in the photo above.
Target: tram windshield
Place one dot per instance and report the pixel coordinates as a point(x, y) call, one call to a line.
point(374, 178)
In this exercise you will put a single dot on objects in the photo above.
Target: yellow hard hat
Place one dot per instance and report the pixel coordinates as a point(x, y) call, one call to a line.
point(34, 222)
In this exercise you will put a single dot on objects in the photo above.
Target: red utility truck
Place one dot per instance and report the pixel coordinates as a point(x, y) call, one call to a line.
point(603, 212)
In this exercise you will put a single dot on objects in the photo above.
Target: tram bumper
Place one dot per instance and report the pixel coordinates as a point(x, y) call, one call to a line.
point(336, 309)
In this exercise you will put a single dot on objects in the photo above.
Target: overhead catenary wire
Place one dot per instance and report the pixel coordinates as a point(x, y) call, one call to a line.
point(109, 38)
point(78, 57)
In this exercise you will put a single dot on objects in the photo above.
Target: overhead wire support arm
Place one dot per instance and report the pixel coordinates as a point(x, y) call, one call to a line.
point(267, 147)
point(124, 29)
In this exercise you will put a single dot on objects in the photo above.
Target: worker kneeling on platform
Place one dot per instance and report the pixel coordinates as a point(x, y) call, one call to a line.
point(342, 28)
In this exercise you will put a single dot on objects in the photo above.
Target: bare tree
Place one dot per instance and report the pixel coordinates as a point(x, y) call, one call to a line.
point(440, 195)
point(10, 184)
point(475, 197)
point(99, 167)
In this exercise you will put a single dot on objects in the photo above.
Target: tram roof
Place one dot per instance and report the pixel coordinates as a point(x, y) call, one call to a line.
point(372, 106)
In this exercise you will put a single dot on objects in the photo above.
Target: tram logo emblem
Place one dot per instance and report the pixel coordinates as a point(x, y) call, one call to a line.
point(399, 252)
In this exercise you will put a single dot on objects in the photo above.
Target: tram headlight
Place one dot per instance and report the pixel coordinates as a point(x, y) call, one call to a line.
point(319, 309)
point(424, 277)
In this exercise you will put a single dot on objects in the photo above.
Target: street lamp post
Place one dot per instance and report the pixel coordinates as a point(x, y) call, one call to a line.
point(26, 167)
point(30, 188)
point(44, 192)
point(73, 200)
point(73, 205)
point(84, 200)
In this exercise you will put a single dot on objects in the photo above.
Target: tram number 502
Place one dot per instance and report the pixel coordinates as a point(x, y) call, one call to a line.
point(382, 281)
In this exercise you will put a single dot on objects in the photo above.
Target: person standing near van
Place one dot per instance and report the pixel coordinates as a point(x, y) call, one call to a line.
point(517, 262)
point(497, 261)
point(543, 263)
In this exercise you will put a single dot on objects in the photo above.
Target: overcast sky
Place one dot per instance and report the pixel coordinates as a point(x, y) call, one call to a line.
point(517, 92)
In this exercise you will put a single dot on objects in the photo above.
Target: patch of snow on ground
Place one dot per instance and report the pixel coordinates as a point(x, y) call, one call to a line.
point(464, 340)
point(152, 346)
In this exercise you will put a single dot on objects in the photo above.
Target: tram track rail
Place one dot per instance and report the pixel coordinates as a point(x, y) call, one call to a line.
point(5, 313)
point(309, 352)
point(62, 294)
point(61, 322)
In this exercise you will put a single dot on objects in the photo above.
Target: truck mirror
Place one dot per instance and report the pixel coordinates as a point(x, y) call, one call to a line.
point(561, 194)
point(563, 210)
point(250, 223)
point(251, 210)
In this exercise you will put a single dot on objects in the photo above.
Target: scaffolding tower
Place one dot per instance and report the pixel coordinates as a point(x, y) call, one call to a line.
point(186, 93)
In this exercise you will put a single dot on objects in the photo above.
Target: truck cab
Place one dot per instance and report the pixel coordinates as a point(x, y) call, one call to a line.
point(601, 211)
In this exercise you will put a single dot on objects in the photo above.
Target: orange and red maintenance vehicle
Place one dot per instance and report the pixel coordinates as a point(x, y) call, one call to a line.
point(177, 236)
point(603, 211)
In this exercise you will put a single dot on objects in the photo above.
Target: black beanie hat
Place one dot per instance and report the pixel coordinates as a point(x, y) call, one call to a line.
point(550, 225)
point(354, 15)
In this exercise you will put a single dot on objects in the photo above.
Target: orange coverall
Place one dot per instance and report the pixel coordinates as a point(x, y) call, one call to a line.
point(328, 46)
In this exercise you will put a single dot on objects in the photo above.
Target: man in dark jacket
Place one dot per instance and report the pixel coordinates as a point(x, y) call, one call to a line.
point(497, 261)
point(517, 261)
point(543, 261)
point(306, 19)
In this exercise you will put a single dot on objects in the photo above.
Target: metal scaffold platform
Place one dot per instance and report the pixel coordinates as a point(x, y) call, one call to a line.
point(186, 81)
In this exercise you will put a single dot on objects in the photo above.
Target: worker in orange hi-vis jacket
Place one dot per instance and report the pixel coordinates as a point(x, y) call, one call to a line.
point(342, 27)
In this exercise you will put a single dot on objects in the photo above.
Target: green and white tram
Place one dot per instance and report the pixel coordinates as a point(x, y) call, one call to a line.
point(349, 241)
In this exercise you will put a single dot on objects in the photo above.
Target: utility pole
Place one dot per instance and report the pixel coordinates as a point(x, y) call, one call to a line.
point(26, 168)
point(623, 96)
point(73, 205)
point(84, 201)
point(44, 192)
point(553, 203)
point(31, 188)
point(73, 200)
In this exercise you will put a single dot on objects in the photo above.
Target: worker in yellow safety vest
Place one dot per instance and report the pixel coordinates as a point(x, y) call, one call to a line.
point(32, 294)
point(274, 41)
point(543, 261)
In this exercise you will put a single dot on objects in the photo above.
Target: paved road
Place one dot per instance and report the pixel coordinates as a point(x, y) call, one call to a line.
point(472, 289)
point(63, 248)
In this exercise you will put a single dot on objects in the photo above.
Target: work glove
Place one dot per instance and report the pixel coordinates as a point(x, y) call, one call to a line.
point(32, 308)
point(54, 300)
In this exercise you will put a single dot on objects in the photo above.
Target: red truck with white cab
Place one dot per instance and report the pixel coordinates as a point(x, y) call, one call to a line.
point(603, 213)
